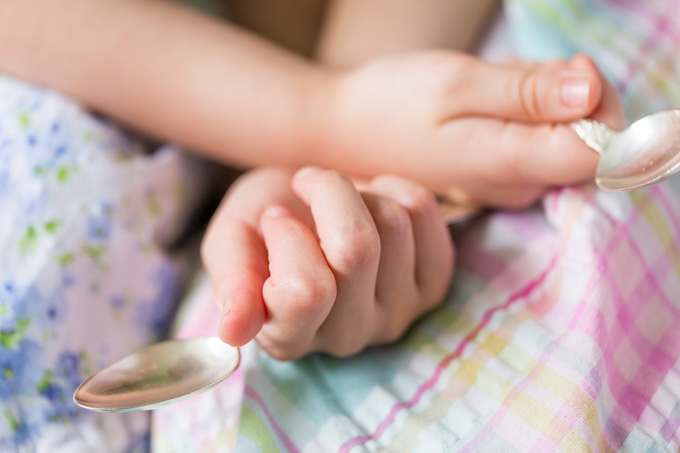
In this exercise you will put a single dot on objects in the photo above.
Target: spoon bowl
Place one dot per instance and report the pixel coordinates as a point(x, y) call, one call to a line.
point(645, 153)
point(158, 375)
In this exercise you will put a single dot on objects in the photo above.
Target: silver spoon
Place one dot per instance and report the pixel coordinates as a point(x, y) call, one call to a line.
point(158, 375)
point(644, 154)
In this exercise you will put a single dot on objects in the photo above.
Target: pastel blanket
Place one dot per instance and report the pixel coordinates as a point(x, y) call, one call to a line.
point(562, 328)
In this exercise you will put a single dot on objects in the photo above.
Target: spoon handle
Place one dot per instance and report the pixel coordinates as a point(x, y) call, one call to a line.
point(594, 133)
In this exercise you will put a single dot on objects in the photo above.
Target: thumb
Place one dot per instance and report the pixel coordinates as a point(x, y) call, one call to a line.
point(235, 259)
point(609, 109)
point(535, 93)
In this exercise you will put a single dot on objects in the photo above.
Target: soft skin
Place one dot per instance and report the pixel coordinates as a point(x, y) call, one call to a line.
point(316, 262)
point(462, 127)
point(308, 262)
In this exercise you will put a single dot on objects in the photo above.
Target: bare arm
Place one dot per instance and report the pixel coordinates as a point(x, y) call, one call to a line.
point(168, 71)
point(446, 120)
point(358, 30)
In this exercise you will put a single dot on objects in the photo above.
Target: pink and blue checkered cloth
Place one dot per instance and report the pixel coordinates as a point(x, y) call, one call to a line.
point(562, 329)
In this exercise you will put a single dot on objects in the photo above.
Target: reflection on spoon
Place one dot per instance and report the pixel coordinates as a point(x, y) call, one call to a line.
point(158, 375)
point(645, 153)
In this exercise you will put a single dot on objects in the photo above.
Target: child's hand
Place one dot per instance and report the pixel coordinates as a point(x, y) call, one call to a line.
point(470, 130)
point(309, 263)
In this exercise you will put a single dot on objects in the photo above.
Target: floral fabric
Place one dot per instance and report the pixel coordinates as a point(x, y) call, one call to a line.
point(85, 216)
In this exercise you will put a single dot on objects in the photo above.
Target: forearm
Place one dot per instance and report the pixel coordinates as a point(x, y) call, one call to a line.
point(358, 30)
point(169, 72)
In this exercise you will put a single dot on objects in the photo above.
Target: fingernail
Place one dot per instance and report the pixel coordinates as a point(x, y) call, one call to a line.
point(276, 211)
point(306, 171)
point(575, 92)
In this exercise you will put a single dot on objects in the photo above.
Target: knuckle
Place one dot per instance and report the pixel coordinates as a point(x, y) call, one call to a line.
point(358, 247)
point(529, 89)
point(391, 216)
point(419, 200)
point(305, 296)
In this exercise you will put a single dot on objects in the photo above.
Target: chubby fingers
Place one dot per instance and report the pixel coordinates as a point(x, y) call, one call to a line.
point(300, 290)
point(416, 263)
point(369, 264)
point(433, 254)
point(236, 261)
point(234, 253)
point(532, 93)
point(320, 290)
point(320, 295)
point(350, 243)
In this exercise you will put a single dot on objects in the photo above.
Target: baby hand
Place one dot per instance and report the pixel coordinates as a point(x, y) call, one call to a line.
point(470, 130)
point(307, 262)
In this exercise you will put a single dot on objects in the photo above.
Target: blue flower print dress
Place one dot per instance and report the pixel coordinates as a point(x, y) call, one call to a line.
point(85, 218)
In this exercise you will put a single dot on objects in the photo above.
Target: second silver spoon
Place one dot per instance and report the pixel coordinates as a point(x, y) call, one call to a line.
point(645, 153)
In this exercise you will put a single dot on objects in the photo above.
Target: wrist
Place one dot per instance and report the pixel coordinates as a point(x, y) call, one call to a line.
point(317, 119)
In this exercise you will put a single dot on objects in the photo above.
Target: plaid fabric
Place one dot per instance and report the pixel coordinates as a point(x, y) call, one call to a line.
point(562, 329)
